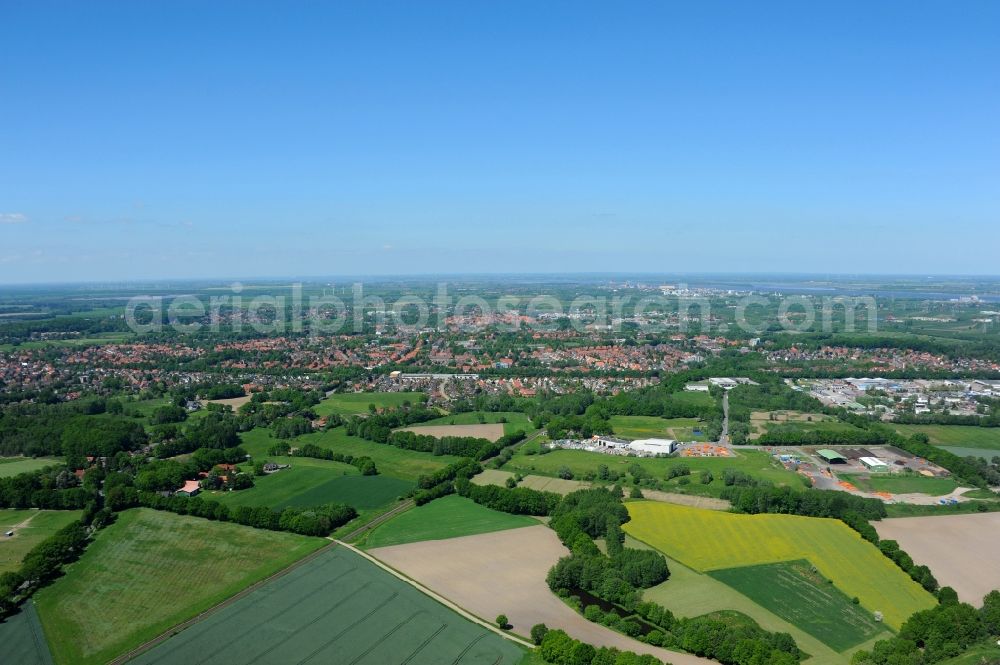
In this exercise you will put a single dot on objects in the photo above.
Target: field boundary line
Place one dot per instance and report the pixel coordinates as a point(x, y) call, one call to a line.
point(387, 515)
point(436, 596)
point(184, 625)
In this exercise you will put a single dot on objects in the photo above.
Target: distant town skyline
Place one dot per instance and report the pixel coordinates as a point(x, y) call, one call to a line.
point(170, 140)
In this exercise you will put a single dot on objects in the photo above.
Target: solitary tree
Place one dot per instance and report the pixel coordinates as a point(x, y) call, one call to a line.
point(502, 620)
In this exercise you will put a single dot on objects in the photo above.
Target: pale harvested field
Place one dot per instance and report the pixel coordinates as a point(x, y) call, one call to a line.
point(504, 573)
point(959, 549)
point(557, 485)
point(492, 477)
point(490, 432)
point(542, 483)
point(234, 402)
point(687, 500)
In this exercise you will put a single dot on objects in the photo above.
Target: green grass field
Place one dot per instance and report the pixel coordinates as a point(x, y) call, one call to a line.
point(12, 466)
point(692, 397)
point(645, 427)
point(796, 593)
point(348, 404)
point(963, 436)
point(711, 540)
point(905, 484)
point(513, 420)
point(96, 340)
point(336, 608)
point(448, 517)
point(30, 528)
point(584, 465)
point(305, 486)
point(404, 464)
point(691, 594)
point(151, 570)
point(984, 453)
point(979, 655)
point(314, 483)
point(22, 640)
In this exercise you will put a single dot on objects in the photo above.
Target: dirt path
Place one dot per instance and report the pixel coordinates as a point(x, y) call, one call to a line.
point(25, 523)
point(353, 535)
point(504, 573)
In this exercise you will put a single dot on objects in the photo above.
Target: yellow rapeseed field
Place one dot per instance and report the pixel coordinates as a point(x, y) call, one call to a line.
point(711, 540)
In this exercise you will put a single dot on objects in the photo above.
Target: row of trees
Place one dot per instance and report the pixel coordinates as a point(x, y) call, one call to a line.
point(766, 498)
point(45, 561)
point(933, 635)
point(518, 501)
point(51, 488)
point(315, 521)
point(558, 648)
point(364, 464)
point(619, 576)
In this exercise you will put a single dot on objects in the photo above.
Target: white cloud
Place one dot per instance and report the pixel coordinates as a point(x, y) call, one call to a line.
point(13, 218)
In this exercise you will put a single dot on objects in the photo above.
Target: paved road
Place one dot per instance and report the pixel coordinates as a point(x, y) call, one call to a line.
point(724, 437)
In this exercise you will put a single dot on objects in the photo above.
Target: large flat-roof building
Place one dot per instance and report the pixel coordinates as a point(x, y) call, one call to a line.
point(653, 446)
point(874, 464)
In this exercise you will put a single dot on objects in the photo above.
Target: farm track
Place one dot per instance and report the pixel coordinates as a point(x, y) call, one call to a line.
point(173, 630)
point(384, 517)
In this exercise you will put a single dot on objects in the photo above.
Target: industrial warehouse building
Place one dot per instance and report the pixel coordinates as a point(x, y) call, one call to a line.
point(653, 446)
point(875, 465)
point(831, 456)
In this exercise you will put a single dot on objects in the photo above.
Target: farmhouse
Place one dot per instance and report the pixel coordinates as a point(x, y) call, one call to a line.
point(875, 465)
point(191, 488)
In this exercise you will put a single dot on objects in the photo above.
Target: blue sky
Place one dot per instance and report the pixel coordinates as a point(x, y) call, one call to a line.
point(194, 139)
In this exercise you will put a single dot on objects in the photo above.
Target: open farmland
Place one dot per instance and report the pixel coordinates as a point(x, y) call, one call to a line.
point(710, 540)
point(646, 427)
point(542, 483)
point(763, 421)
point(963, 436)
point(490, 432)
point(149, 571)
point(512, 421)
point(22, 640)
point(233, 403)
point(504, 572)
point(340, 608)
point(688, 593)
point(12, 466)
point(584, 465)
point(796, 593)
point(905, 484)
point(960, 549)
point(348, 404)
point(392, 461)
point(447, 517)
point(30, 527)
point(305, 485)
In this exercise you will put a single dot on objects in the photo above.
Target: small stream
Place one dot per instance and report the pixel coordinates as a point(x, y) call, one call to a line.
point(587, 598)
